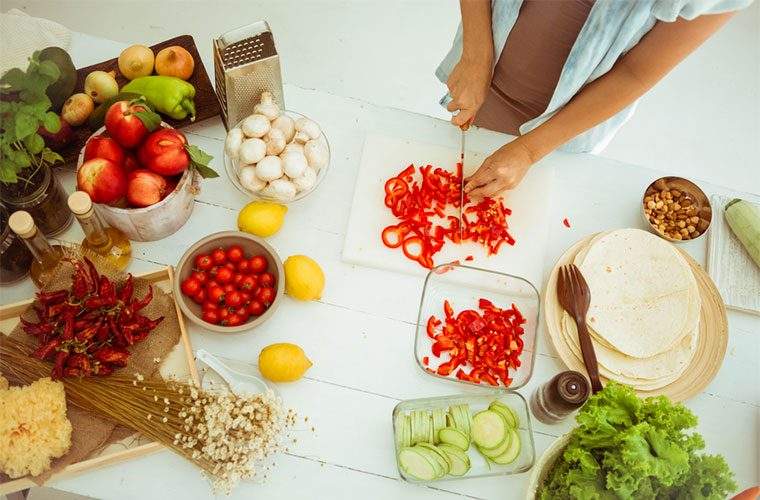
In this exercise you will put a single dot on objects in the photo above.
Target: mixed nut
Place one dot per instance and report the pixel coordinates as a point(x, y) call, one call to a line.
point(675, 212)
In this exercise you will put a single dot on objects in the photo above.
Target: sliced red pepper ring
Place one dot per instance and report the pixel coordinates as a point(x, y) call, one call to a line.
point(392, 236)
point(413, 247)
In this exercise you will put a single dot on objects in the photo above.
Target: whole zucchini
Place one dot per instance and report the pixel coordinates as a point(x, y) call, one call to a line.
point(744, 220)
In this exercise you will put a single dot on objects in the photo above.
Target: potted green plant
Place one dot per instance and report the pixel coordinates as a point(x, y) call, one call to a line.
point(26, 179)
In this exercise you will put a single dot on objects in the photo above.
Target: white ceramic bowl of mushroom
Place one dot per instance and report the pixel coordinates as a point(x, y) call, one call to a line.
point(276, 155)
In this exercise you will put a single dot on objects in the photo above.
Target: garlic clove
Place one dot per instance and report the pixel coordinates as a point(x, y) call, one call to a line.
point(269, 168)
point(293, 164)
point(275, 140)
point(280, 189)
point(287, 125)
point(233, 141)
point(249, 180)
point(316, 154)
point(307, 180)
point(252, 151)
point(256, 125)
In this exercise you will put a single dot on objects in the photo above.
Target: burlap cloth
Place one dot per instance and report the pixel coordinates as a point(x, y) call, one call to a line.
point(90, 432)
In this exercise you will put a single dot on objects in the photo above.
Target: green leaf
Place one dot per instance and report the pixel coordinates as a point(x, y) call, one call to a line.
point(50, 70)
point(150, 119)
point(50, 157)
point(20, 158)
point(13, 79)
point(25, 125)
point(199, 160)
point(51, 122)
point(34, 143)
point(7, 171)
point(35, 97)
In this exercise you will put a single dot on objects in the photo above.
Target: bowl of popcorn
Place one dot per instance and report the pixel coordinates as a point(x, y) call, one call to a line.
point(275, 154)
point(676, 209)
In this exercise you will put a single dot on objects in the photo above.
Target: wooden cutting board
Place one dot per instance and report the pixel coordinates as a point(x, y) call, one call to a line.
point(384, 157)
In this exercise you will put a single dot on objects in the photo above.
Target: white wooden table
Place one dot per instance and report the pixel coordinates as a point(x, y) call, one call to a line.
point(359, 336)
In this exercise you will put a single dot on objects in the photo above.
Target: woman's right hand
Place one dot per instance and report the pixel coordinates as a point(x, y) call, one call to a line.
point(468, 86)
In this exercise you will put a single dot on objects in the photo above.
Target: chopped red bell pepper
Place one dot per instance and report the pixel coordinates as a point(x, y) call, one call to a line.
point(566, 222)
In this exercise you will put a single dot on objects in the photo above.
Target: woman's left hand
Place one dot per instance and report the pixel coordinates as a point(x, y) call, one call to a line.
point(504, 169)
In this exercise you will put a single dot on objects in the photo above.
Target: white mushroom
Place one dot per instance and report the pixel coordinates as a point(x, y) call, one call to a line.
point(307, 180)
point(275, 140)
point(252, 151)
point(233, 141)
point(281, 189)
point(269, 168)
point(249, 180)
point(255, 126)
point(293, 147)
point(293, 164)
point(267, 106)
point(316, 154)
point(306, 130)
point(287, 125)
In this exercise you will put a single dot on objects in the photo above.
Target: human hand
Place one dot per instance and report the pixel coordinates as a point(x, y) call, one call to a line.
point(504, 169)
point(468, 86)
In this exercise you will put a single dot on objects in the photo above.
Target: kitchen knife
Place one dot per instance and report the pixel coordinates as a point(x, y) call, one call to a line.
point(461, 183)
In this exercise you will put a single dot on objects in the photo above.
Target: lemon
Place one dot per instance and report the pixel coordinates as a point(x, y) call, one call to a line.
point(262, 218)
point(283, 362)
point(304, 279)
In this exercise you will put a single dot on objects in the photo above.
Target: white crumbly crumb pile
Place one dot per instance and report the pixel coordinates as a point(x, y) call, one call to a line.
point(33, 427)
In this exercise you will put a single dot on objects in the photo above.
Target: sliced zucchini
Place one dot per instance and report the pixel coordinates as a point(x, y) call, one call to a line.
point(460, 462)
point(441, 466)
point(489, 429)
point(495, 452)
point(505, 411)
point(398, 425)
point(439, 422)
point(417, 465)
point(512, 452)
point(431, 431)
point(454, 437)
point(460, 414)
point(443, 458)
point(406, 431)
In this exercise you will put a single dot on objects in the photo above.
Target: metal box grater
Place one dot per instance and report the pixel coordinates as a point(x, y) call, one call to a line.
point(246, 63)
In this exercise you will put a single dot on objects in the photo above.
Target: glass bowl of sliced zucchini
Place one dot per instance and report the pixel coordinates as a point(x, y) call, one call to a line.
point(464, 436)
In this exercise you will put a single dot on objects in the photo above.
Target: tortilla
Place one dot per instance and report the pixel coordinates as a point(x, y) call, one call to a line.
point(644, 297)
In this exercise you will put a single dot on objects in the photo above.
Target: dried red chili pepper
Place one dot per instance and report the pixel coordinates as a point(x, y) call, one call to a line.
point(112, 356)
point(36, 329)
point(81, 362)
point(139, 304)
point(46, 350)
point(59, 363)
point(49, 298)
point(102, 370)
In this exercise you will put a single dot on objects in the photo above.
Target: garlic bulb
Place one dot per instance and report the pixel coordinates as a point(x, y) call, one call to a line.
point(249, 179)
point(316, 154)
point(293, 164)
point(293, 147)
point(287, 125)
point(307, 180)
point(275, 140)
point(267, 106)
point(255, 126)
point(269, 168)
point(233, 141)
point(281, 189)
point(306, 130)
point(252, 151)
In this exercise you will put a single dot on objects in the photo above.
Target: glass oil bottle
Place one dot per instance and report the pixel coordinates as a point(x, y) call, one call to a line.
point(108, 242)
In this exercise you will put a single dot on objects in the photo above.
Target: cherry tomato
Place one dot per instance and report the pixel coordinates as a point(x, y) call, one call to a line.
point(233, 299)
point(224, 313)
point(265, 295)
point(247, 296)
point(190, 286)
point(200, 296)
point(243, 313)
point(248, 282)
point(237, 279)
point(232, 267)
point(201, 276)
point(235, 253)
point(223, 275)
point(266, 280)
point(209, 306)
point(258, 264)
point(203, 262)
point(211, 283)
point(215, 294)
point(244, 266)
point(256, 308)
point(233, 320)
point(211, 316)
point(219, 257)
point(229, 288)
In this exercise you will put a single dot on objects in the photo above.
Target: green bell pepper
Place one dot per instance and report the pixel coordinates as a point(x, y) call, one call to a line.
point(166, 94)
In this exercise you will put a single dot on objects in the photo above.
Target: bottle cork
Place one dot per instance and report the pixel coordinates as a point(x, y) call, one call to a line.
point(80, 203)
point(22, 224)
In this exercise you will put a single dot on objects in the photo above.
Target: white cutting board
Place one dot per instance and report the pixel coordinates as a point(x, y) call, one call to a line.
point(384, 157)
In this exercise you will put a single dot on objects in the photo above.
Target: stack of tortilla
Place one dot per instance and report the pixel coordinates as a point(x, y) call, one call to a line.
point(644, 312)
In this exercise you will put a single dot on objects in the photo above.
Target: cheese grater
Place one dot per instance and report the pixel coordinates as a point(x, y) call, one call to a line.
point(246, 64)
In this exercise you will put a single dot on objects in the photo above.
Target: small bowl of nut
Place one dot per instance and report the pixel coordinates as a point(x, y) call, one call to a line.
point(676, 209)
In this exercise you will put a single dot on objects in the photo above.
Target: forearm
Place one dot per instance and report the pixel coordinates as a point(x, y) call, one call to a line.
point(477, 37)
point(632, 76)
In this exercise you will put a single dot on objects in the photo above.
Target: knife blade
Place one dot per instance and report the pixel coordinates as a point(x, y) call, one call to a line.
point(461, 183)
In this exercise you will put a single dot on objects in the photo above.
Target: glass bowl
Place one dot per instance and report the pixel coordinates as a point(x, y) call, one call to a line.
point(232, 167)
point(479, 467)
point(463, 286)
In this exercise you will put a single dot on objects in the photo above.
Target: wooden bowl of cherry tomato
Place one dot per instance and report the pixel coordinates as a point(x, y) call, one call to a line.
point(229, 282)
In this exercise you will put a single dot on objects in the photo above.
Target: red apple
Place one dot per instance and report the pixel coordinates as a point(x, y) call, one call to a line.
point(145, 188)
point(130, 163)
point(60, 139)
point(164, 152)
point(123, 125)
point(103, 180)
point(101, 146)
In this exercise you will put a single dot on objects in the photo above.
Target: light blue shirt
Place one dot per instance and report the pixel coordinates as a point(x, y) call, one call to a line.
point(612, 28)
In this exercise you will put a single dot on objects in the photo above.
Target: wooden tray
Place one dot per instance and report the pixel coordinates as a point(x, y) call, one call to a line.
point(711, 344)
point(179, 362)
point(206, 103)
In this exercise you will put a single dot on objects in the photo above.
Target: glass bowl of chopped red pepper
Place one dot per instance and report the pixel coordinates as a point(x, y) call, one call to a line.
point(477, 326)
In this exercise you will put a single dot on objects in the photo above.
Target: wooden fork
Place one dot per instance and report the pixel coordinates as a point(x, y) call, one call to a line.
point(575, 297)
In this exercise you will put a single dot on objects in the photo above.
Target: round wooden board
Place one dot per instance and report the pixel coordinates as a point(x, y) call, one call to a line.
point(711, 344)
